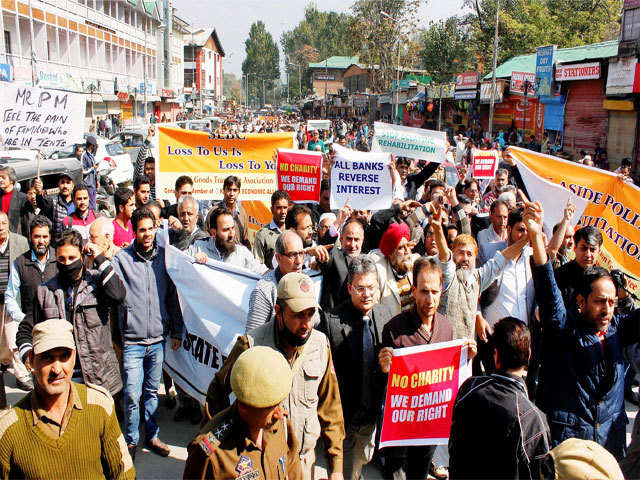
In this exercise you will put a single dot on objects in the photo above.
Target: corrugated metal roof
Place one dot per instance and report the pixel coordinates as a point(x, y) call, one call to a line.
point(527, 63)
point(336, 62)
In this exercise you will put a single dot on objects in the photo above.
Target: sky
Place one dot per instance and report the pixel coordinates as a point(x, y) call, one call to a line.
point(233, 18)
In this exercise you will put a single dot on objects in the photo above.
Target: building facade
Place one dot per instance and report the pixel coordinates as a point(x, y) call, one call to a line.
point(109, 50)
point(203, 71)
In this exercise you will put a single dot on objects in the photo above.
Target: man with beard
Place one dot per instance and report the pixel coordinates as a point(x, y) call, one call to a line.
point(422, 324)
point(59, 207)
point(83, 298)
point(299, 219)
point(581, 387)
point(500, 181)
point(222, 246)
point(265, 240)
point(36, 266)
point(313, 405)
point(150, 312)
point(142, 190)
point(289, 257)
point(253, 438)
point(463, 283)
point(231, 191)
point(394, 262)
point(62, 429)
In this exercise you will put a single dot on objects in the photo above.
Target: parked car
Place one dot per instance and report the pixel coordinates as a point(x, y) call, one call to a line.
point(131, 140)
point(25, 163)
point(110, 155)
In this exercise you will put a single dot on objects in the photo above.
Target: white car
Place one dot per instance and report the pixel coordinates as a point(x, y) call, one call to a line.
point(110, 157)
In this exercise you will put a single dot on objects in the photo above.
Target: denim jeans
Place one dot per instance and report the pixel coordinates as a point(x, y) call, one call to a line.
point(142, 376)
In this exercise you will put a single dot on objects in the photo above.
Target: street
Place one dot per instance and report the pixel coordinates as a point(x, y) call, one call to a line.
point(178, 435)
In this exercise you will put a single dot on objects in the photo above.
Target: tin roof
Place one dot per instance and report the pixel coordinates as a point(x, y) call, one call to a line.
point(336, 62)
point(527, 63)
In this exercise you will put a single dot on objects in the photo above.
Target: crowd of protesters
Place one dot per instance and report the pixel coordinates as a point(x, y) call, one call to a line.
point(90, 309)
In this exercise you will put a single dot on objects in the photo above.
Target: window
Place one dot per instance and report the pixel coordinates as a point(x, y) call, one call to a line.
point(7, 42)
point(48, 50)
point(209, 78)
point(631, 25)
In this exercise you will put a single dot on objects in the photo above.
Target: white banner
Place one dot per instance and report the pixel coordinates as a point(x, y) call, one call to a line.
point(409, 142)
point(581, 71)
point(215, 300)
point(361, 178)
point(42, 119)
point(318, 124)
point(552, 197)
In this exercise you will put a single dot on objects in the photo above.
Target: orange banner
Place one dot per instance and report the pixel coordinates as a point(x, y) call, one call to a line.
point(613, 206)
point(208, 160)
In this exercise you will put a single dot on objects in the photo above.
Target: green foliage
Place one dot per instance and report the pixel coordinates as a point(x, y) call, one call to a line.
point(447, 49)
point(527, 24)
point(232, 88)
point(317, 36)
point(262, 60)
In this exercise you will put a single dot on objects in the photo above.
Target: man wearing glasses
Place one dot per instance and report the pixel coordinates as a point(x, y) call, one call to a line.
point(289, 257)
point(354, 329)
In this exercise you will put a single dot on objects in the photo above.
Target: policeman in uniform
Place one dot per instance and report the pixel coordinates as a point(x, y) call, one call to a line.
point(252, 439)
point(313, 405)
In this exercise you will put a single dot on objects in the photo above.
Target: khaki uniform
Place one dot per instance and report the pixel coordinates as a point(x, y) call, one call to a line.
point(223, 450)
point(264, 245)
point(314, 405)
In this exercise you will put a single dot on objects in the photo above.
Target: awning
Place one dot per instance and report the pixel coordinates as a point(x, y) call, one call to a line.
point(107, 97)
point(417, 98)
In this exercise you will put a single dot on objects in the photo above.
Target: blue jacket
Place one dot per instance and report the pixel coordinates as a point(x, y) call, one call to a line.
point(581, 386)
point(151, 309)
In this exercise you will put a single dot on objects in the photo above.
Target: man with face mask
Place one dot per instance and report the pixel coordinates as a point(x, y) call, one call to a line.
point(83, 297)
point(36, 266)
point(222, 246)
point(313, 405)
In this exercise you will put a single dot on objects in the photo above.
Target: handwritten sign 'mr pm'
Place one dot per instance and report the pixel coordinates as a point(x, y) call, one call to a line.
point(36, 118)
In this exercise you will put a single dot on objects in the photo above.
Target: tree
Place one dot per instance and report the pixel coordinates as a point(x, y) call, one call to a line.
point(527, 24)
point(262, 60)
point(232, 89)
point(386, 32)
point(318, 35)
point(447, 49)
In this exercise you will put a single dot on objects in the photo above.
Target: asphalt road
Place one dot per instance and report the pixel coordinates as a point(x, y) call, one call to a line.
point(178, 435)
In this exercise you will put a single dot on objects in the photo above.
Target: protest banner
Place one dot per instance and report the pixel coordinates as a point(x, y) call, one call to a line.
point(409, 142)
point(43, 119)
point(214, 315)
point(208, 160)
point(361, 178)
point(421, 390)
point(613, 205)
point(318, 124)
point(485, 163)
point(299, 174)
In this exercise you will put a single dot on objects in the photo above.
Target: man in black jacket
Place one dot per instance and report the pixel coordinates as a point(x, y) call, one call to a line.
point(335, 271)
point(515, 432)
point(587, 241)
point(354, 329)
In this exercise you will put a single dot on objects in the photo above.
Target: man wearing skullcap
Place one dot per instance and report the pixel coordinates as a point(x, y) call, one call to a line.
point(394, 262)
point(251, 439)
